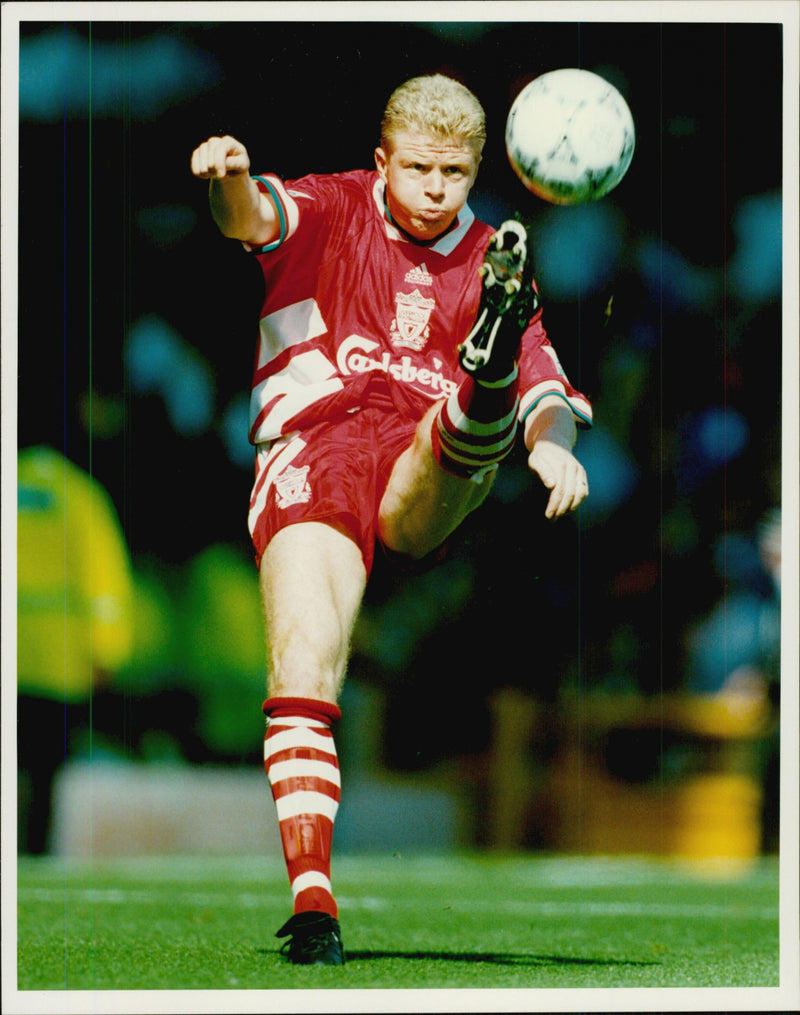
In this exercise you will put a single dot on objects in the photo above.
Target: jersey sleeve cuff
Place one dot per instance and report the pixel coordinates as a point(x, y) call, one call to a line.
point(287, 213)
point(581, 409)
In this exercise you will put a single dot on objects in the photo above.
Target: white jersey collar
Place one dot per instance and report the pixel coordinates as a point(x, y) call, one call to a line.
point(444, 246)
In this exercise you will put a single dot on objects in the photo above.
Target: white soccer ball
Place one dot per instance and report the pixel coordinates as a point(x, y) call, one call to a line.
point(570, 136)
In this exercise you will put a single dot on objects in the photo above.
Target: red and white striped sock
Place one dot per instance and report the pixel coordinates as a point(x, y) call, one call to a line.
point(303, 771)
point(476, 427)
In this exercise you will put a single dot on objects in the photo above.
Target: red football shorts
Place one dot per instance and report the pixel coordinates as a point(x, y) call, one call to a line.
point(334, 472)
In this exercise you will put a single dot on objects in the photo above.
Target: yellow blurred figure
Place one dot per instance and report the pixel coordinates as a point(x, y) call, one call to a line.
point(74, 616)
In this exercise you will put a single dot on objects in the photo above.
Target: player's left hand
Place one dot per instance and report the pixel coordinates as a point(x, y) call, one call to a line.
point(562, 474)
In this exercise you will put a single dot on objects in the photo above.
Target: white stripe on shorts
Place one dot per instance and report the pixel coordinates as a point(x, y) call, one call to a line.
point(273, 457)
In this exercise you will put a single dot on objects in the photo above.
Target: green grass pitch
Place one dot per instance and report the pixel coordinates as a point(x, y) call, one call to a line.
point(466, 921)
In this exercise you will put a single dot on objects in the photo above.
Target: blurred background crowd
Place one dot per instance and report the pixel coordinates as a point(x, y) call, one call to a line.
point(137, 326)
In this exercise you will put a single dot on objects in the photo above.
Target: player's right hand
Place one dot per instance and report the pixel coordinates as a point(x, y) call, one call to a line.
point(219, 157)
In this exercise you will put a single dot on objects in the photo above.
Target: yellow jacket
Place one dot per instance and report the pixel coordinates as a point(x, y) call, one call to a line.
point(74, 585)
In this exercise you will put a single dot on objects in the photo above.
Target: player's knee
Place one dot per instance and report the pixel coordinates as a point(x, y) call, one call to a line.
point(318, 683)
point(308, 666)
point(406, 535)
point(396, 537)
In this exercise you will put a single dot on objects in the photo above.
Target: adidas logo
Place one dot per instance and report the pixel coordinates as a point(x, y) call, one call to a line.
point(419, 276)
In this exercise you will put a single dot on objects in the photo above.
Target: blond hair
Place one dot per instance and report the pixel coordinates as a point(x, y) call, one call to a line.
point(435, 105)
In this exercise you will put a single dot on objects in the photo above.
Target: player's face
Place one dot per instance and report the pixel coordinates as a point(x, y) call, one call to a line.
point(427, 181)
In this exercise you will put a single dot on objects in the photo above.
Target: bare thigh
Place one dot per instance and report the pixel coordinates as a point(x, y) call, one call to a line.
point(423, 504)
point(312, 579)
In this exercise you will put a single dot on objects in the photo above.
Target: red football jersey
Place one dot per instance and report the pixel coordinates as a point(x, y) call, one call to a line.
point(352, 307)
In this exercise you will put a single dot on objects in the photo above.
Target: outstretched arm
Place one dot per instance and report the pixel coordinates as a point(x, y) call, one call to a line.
point(238, 207)
point(550, 434)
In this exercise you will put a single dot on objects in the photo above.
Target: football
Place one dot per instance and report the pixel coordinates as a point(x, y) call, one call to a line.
point(570, 136)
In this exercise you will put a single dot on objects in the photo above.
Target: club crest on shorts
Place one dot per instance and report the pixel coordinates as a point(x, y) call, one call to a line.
point(410, 325)
point(292, 487)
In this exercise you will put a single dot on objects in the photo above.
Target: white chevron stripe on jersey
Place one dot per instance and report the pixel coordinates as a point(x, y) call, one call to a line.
point(306, 802)
point(306, 379)
point(299, 322)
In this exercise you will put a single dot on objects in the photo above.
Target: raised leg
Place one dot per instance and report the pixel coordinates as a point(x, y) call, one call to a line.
point(423, 503)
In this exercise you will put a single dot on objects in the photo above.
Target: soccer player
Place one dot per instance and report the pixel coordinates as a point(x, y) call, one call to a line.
point(400, 346)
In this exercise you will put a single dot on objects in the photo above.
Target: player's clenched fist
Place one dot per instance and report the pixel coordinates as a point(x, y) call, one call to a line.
point(238, 207)
point(219, 157)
